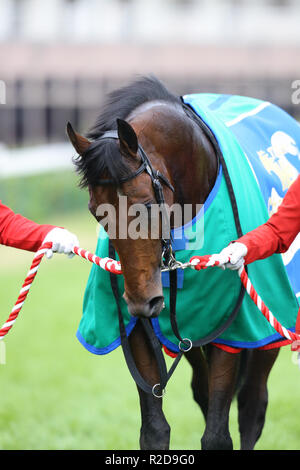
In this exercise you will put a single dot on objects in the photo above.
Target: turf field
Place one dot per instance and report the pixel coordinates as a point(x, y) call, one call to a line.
point(56, 395)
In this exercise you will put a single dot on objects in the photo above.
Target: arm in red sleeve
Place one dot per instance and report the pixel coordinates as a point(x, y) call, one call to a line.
point(19, 232)
point(278, 233)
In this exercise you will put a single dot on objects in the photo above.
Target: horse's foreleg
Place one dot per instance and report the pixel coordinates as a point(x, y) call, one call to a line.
point(223, 369)
point(199, 382)
point(253, 396)
point(155, 431)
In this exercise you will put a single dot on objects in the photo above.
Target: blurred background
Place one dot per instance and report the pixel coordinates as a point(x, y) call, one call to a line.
point(58, 60)
point(60, 57)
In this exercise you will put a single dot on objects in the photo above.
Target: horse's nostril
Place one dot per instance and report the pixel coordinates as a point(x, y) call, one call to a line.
point(156, 304)
point(152, 308)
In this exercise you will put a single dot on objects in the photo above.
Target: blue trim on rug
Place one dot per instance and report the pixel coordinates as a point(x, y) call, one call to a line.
point(165, 278)
point(171, 346)
point(179, 240)
point(254, 344)
point(107, 349)
point(206, 204)
point(237, 344)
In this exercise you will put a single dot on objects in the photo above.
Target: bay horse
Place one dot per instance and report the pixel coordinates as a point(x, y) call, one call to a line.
point(145, 113)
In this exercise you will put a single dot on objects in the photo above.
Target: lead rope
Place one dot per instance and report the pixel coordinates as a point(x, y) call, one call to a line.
point(105, 263)
point(113, 266)
point(203, 262)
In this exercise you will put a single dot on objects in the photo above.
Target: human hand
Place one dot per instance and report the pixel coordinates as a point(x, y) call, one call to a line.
point(232, 256)
point(62, 241)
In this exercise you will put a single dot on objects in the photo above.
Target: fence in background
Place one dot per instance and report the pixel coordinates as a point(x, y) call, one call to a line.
point(37, 111)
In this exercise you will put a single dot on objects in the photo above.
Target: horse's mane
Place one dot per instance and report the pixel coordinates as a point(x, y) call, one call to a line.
point(121, 102)
point(106, 157)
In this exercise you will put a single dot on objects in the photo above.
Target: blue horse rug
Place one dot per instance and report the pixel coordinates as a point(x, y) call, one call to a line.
point(260, 144)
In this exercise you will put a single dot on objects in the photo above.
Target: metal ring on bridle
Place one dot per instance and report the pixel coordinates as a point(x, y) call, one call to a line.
point(156, 395)
point(186, 349)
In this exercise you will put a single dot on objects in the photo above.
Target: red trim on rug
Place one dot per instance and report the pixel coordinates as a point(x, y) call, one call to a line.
point(233, 350)
point(228, 349)
point(277, 344)
point(169, 353)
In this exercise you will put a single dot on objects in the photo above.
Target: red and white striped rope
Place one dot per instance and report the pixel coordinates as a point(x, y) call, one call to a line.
point(203, 262)
point(108, 264)
point(284, 332)
point(105, 263)
point(24, 290)
point(111, 265)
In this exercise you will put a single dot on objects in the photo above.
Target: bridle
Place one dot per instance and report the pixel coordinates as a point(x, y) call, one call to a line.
point(168, 260)
point(169, 263)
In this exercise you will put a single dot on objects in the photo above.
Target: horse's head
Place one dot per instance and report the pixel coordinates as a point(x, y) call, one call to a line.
point(129, 164)
point(122, 194)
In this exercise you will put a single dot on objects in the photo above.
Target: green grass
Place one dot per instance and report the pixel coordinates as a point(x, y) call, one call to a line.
point(56, 395)
point(37, 195)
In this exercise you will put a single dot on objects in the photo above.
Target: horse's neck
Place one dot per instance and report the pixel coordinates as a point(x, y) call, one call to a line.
point(194, 169)
point(176, 141)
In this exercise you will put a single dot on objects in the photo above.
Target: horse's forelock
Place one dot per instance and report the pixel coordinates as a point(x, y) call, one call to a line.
point(120, 103)
point(103, 158)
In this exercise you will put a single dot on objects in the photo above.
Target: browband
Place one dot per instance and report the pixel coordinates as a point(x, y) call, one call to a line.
point(145, 165)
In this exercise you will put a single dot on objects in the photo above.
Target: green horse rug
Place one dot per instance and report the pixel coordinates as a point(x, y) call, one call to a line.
point(260, 144)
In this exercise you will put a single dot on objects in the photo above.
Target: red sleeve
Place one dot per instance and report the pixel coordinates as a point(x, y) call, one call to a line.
point(278, 233)
point(19, 232)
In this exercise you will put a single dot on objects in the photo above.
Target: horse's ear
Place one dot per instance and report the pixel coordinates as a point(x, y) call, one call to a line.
point(127, 137)
point(80, 143)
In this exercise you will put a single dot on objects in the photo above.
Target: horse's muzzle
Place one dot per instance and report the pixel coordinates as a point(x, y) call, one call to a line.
point(149, 309)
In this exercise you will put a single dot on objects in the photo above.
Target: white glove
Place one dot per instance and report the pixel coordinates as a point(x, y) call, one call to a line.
point(235, 252)
point(62, 240)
